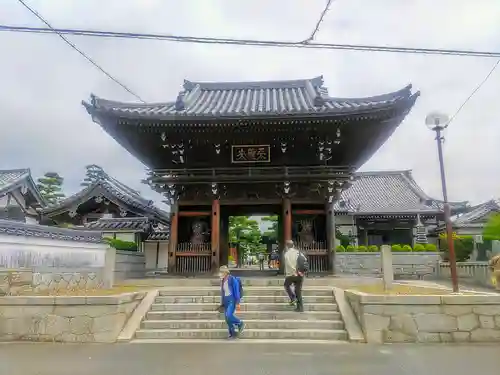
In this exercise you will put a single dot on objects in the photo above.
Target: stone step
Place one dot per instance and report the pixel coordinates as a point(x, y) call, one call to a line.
point(175, 281)
point(245, 315)
point(251, 291)
point(250, 324)
point(309, 334)
point(244, 307)
point(246, 299)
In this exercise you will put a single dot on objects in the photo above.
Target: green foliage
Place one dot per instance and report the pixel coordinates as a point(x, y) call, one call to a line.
point(350, 248)
point(272, 231)
point(396, 248)
point(246, 233)
point(230, 258)
point(419, 247)
point(431, 247)
point(373, 249)
point(492, 227)
point(120, 244)
point(50, 187)
point(340, 249)
point(342, 238)
point(93, 173)
point(362, 249)
point(407, 248)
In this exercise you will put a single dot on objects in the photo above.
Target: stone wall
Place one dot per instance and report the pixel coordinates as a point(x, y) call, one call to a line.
point(129, 265)
point(423, 319)
point(371, 264)
point(66, 319)
point(57, 258)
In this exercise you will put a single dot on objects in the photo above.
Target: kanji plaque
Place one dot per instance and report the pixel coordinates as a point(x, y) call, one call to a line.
point(251, 154)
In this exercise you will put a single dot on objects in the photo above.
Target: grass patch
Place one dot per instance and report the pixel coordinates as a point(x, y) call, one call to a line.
point(400, 289)
point(119, 289)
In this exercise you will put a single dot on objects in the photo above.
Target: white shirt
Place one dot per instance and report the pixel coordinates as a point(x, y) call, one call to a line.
point(291, 256)
point(225, 287)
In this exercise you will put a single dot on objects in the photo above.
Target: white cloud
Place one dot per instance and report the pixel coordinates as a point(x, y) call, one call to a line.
point(43, 81)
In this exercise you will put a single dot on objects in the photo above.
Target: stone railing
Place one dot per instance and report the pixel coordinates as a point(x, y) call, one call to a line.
point(66, 319)
point(476, 273)
point(427, 318)
point(129, 265)
point(370, 263)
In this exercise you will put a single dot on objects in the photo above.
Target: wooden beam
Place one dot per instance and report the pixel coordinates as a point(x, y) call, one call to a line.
point(308, 212)
point(172, 245)
point(215, 229)
point(287, 219)
point(193, 213)
point(330, 236)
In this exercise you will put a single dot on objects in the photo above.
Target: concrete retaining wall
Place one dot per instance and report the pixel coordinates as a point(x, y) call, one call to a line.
point(129, 265)
point(423, 319)
point(66, 319)
point(371, 263)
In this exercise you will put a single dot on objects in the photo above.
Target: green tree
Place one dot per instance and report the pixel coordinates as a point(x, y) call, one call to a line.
point(246, 233)
point(492, 227)
point(50, 187)
point(272, 230)
point(93, 173)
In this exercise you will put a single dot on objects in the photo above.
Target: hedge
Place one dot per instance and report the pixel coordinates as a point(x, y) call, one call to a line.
point(121, 245)
point(395, 248)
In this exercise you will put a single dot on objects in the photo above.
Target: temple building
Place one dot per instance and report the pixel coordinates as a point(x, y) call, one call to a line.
point(473, 220)
point(111, 207)
point(224, 149)
point(20, 199)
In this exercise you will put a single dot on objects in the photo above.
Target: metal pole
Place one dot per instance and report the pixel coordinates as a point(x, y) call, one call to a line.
point(447, 214)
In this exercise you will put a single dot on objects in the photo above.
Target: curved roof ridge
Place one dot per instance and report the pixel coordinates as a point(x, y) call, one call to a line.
point(230, 85)
point(404, 92)
point(382, 172)
point(24, 170)
point(97, 102)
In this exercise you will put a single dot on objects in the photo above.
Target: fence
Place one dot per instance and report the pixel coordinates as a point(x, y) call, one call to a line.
point(475, 273)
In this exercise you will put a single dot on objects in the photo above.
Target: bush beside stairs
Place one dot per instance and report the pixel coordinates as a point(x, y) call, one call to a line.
point(189, 312)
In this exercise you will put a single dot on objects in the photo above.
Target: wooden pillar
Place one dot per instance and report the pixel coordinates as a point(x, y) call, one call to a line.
point(224, 239)
point(172, 245)
point(215, 234)
point(330, 235)
point(287, 220)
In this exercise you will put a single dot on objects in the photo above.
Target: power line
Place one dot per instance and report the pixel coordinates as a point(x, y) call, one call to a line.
point(250, 42)
point(318, 24)
point(72, 45)
point(478, 87)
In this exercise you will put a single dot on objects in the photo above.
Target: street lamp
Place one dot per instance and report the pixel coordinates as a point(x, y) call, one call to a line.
point(437, 122)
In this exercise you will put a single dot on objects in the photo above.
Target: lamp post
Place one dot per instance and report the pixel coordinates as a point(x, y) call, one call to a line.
point(437, 122)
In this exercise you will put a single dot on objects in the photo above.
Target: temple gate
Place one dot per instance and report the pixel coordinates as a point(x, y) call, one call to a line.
point(224, 149)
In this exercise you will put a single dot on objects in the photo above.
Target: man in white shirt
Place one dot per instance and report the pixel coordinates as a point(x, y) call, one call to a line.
point(293, 276)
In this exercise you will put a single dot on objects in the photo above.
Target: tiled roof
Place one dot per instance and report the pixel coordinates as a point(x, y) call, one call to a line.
point(267, 98)
point(477, 213)
point(393, 192)
point(113, 190)
point(12, 179)
point(137, 224)
point(16, 228)
point(158, 236)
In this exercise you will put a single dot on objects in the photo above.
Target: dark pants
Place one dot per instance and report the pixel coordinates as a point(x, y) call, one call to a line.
point(297, 285)
point(261, 264)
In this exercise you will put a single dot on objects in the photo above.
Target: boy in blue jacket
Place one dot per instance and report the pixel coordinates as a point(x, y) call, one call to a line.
point(230, 299)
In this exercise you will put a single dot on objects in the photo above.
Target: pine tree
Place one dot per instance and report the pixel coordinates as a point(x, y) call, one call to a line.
point(93, 173)
point(50, 187)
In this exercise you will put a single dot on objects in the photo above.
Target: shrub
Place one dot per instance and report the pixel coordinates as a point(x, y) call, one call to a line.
point(396, 248)
point(350, 248)
point(430, 247)
point(407, 248)
point(362, 249)
point(120, 244)
point(340, 249)
point(230, 258)
point(419, 247)
point(373, 248)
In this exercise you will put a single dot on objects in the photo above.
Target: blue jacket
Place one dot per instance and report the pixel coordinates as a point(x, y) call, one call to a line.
point(234, 287)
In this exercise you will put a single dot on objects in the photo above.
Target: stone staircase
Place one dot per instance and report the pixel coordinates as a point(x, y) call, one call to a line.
point(188, 312)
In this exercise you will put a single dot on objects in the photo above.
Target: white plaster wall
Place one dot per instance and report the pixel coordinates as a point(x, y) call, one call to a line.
point(150, 254)
point(126, 237)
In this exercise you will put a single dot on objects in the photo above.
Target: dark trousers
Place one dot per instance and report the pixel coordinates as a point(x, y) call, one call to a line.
point(261, 265)
point(297, 282)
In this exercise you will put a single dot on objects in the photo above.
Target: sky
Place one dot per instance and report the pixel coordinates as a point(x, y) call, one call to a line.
point(43, 81)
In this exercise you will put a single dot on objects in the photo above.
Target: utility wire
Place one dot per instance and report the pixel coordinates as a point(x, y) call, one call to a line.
point(318, 24)
point(478, 87)
point(249, 42)
point(72, 45)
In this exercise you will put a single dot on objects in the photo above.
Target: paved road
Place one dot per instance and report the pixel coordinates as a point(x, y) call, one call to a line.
point(247, 359)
